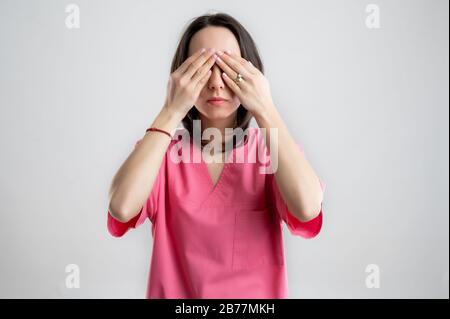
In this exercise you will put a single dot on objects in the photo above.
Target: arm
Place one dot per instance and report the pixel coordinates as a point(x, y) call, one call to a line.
point(135, 178)
point(298, 183)
point(133, 181)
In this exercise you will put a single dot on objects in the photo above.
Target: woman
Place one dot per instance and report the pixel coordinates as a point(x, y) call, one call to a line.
point(216, 225)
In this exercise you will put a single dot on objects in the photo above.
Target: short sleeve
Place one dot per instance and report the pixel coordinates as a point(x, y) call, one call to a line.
point(307, 229)
point(117, 228)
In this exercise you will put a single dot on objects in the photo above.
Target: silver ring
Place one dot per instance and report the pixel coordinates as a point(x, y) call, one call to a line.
point(238, 78)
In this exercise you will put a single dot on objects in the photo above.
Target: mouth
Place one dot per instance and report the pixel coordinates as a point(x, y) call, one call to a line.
point(216, 101)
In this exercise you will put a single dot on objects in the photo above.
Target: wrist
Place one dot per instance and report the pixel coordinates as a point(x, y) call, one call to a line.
point(172, 113)
point(267, 117)
point(167, 120)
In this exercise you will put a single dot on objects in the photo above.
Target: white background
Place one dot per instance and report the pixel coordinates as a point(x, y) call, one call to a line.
point(369, 105)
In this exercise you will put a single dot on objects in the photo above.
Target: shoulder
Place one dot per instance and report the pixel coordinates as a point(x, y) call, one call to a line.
point(179, 133)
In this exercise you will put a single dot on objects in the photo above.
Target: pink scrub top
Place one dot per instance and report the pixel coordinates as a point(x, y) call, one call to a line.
point(217, 241)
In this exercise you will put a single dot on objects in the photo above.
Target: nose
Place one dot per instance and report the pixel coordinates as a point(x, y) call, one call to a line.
point(215, 80)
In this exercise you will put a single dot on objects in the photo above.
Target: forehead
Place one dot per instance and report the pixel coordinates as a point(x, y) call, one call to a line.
point(219, 38)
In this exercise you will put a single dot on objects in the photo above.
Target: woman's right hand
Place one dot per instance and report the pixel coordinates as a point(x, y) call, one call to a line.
point(186, 82)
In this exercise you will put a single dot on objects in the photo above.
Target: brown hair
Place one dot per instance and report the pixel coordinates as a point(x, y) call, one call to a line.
point(247, 46)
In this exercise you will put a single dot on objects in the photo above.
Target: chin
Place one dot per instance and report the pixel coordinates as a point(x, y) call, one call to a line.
point(217, 112)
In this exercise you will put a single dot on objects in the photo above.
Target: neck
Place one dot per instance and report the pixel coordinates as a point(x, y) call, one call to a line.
point(220, 124)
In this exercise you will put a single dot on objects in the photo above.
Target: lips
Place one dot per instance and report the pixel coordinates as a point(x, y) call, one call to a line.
point(216, 99)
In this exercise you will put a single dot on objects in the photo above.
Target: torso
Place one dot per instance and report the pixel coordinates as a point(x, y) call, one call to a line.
point(216, 229)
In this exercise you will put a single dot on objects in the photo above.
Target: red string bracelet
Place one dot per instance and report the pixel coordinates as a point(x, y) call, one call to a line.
point(158, 130)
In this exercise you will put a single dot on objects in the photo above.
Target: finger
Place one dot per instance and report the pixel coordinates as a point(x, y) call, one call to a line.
point(245, 63)
point(231, 73)
point(227, 69)
point(233, 64)
point(231, 84)
point(203, 69)
point(203, 81)
point(183, 67)
point(249, 66)
point(198, 63)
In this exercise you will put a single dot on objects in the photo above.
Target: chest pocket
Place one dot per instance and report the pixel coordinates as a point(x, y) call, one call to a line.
point(257, 239)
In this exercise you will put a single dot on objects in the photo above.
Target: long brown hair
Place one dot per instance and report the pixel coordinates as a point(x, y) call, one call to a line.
point(247, 46)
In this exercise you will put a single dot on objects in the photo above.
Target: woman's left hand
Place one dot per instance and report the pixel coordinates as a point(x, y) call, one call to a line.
point(254, 90)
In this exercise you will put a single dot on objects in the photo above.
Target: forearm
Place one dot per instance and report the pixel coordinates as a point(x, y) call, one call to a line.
point(133, 181)
point(298, 183)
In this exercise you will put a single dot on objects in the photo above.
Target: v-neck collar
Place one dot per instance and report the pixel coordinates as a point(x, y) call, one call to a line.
point(217, 189)
point(205, 171)
point(225, 166)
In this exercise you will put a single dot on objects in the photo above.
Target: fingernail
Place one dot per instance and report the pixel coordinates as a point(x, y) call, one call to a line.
point(202, 50)
point(228, 51)
point(219, 52)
